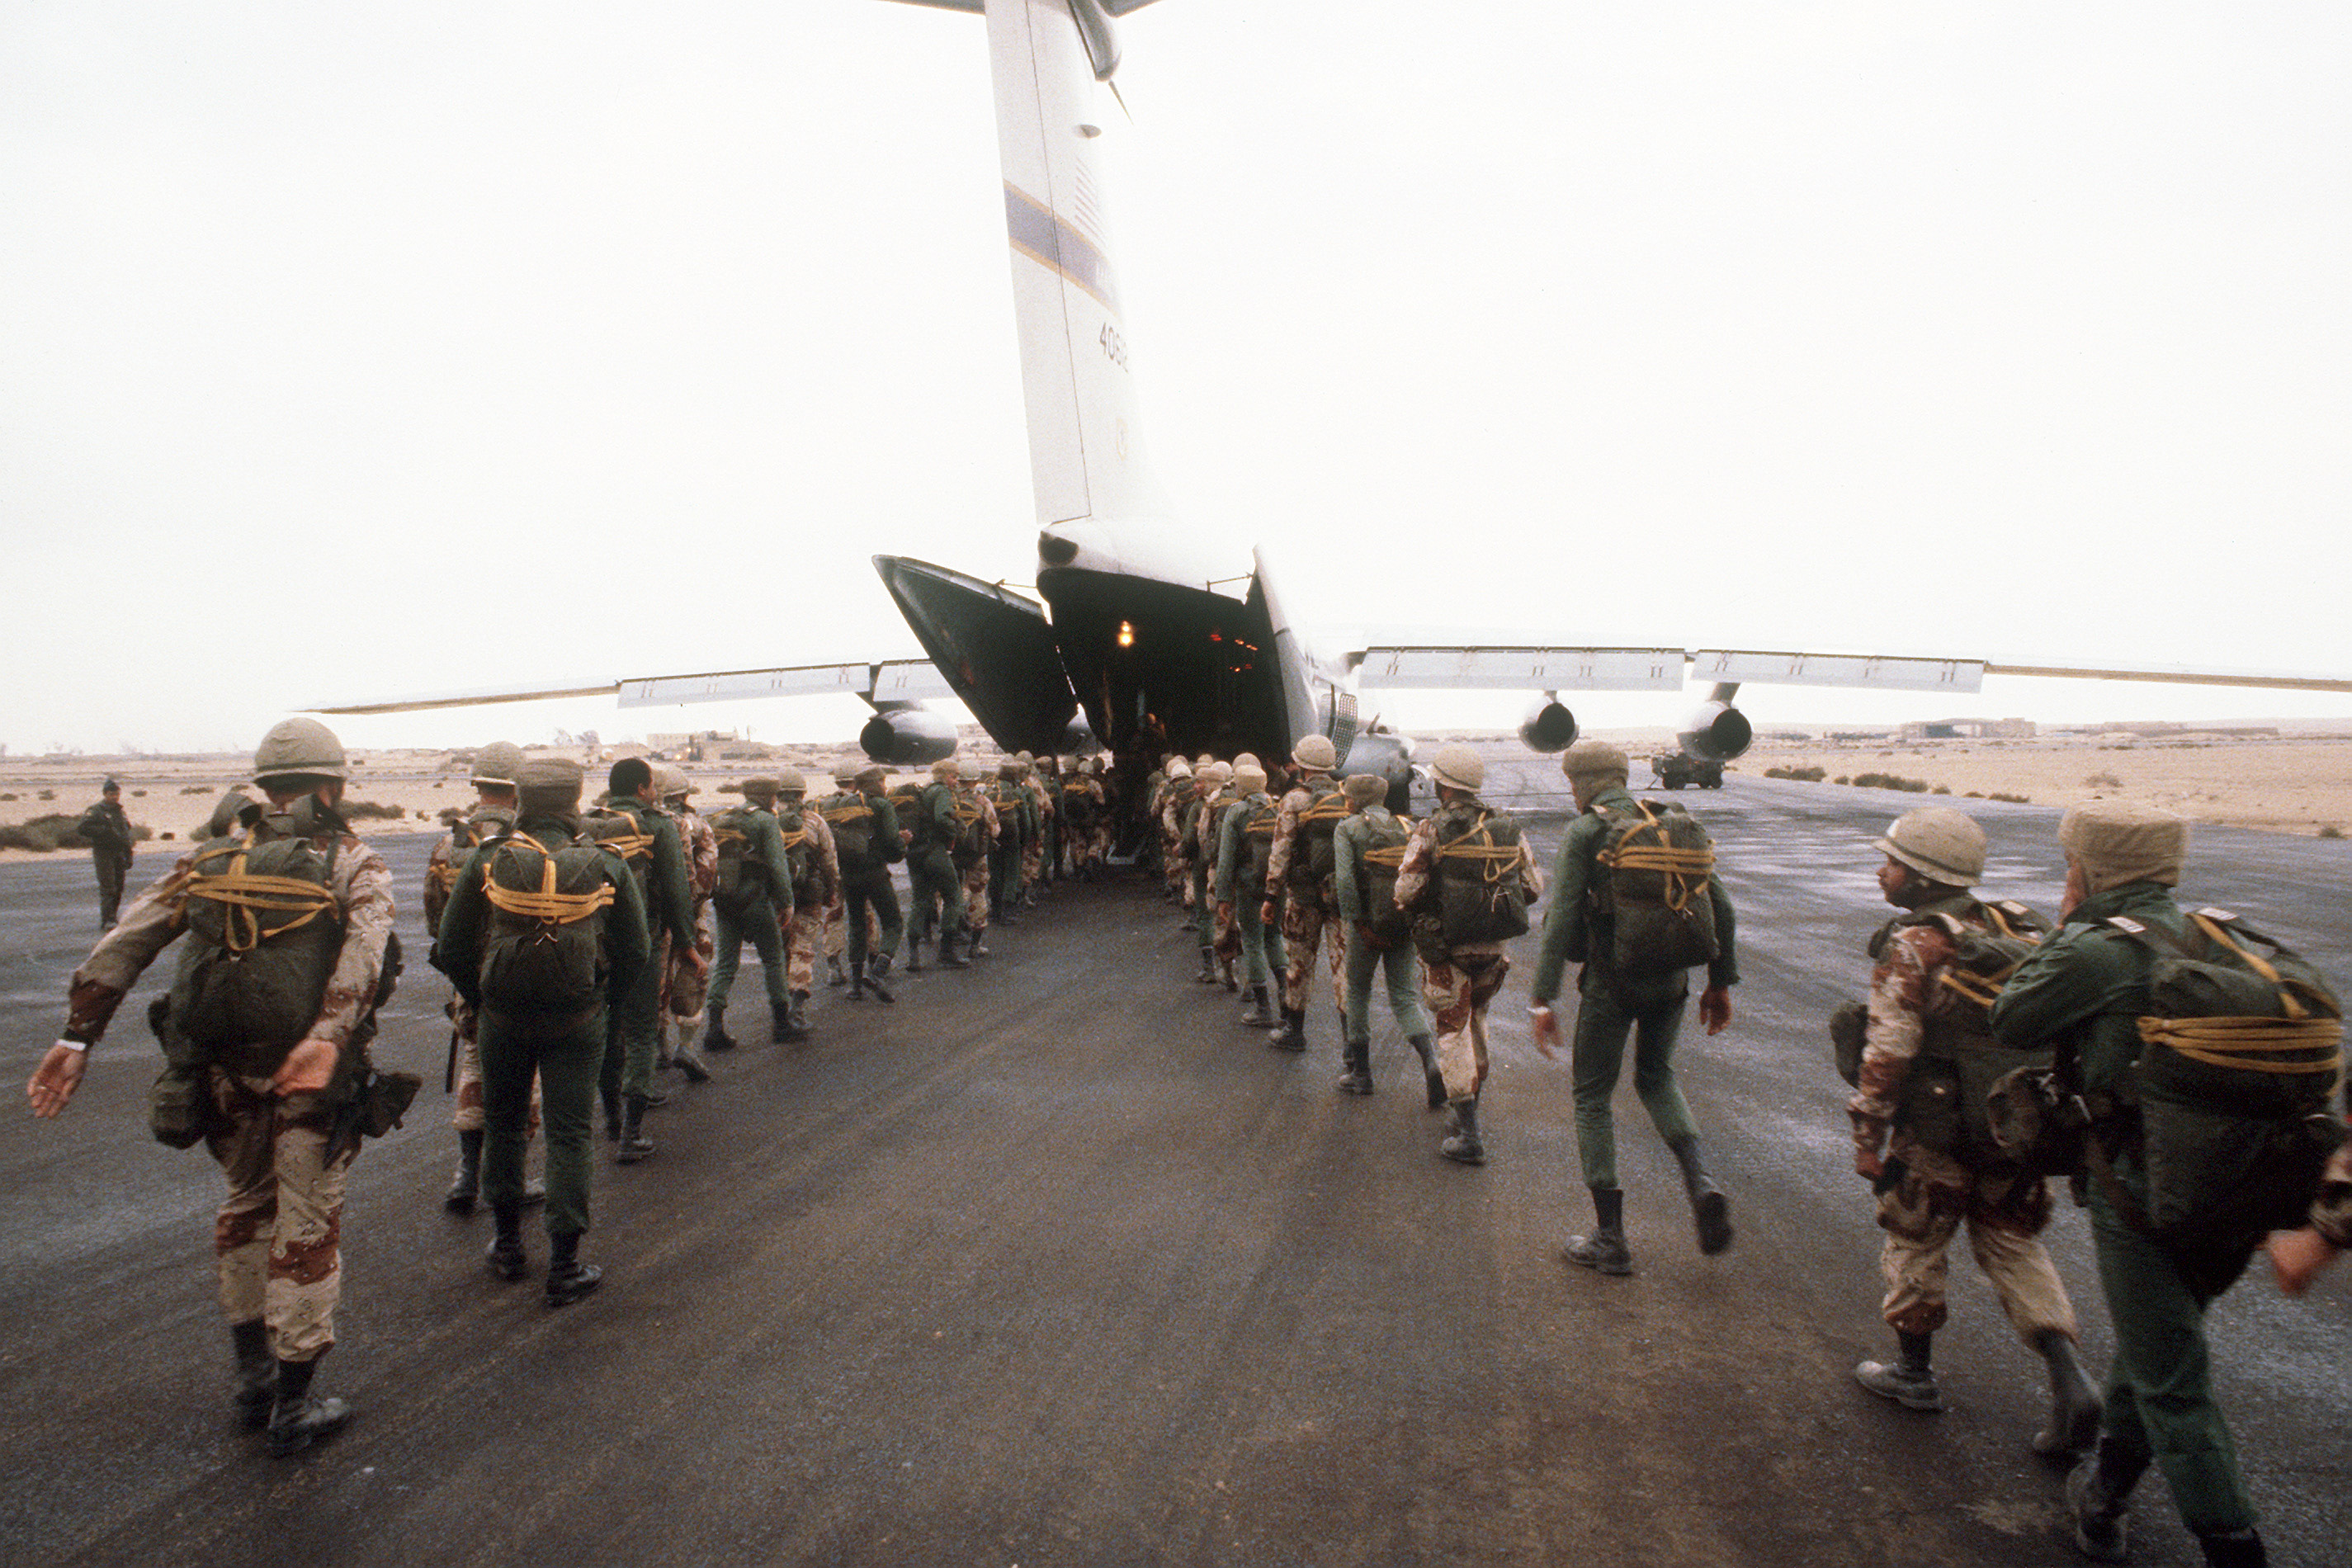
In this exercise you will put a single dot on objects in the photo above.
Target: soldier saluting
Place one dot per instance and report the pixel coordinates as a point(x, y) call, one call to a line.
point(266, 1030)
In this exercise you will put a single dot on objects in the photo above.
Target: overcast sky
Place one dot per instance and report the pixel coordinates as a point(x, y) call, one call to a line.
point(368, 350)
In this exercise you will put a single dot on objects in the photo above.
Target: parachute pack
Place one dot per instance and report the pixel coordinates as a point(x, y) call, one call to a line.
point(853, 824)
point(1324, 813)
point(1480, 895)
point(264, 936)
point(742, 877)
point(1654, 865)
point(1384, 844)
point(2240, 1063)
point(1252, 855)
point(542, 953)
point(799, 853)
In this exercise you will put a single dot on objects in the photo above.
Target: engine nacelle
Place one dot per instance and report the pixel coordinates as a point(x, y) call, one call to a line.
point(907, 737)
point(1548, 727)
point(1717, 733)
point(1391, 757)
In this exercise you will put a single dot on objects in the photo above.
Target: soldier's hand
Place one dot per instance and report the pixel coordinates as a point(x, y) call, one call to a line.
point(1224, 909)
point(1546, 1029)
point(696, 961)
point(1715, 1008)
point(53, 1082)
point(306, 1068)
point(1869, 1164)
point(1266, 912)
point(2297, 1257)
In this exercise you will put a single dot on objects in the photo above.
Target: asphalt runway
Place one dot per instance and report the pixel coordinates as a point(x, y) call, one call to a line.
point(1052, 1263)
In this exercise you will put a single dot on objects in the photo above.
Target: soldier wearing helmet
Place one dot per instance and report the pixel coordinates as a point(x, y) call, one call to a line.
point(686, 988)
point(816, 887)
point(866, 842)
point(1175, 783)
point(493, 778)
point(270, 1111)
point(635, 821)
point(1212, 791)
point(1299, 878)
point(1466, 881)
point(935, 884)
point(1244, 840)
point(1622, 993)
point(1931, 1176)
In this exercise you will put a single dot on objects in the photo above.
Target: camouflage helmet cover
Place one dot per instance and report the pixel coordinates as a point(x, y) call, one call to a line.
point(298, 747)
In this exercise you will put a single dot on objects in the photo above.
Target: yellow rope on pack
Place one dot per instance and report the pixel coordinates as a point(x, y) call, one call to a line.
point(629, 846)
point(245, 896)
point(1500, 859)
point(545, 904)
point(1393, 857)
point(2250, 1044)
point(1682, 868)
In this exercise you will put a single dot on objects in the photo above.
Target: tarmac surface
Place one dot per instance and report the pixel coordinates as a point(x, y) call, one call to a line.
point(1052, 1263)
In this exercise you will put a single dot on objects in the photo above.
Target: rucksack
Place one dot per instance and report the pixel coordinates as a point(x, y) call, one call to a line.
point(742, 875)
point(853, 824)
point(1078, 801)
point(1481, 897)
point(971, 829)
point(1654, 867)
point(2236, 1082)
point(1383, 857)
point(1327, 808)
point(621, 829)
point(543, 949)
point(1257, 848)
point(1944, 1098)
point(264, 937)
point(800, 854)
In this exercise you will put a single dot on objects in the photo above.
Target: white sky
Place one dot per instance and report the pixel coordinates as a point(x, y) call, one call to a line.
point(369, 350)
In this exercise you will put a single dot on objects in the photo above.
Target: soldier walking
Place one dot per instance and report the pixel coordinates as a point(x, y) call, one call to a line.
point(815, 887)
point(1367, 853)
point(754, 885)
point(866, 842)
point(544, 924)
point(1245, 842)
point(930, 867)
point(266, 1033)
point(1466, 881)
point(686, 986)
point(1300, 872)
point(643, 834)
point(109, 834)
point(1636, 958)
point(1920, 1132)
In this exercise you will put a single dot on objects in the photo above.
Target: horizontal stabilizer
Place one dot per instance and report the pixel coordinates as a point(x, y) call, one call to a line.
point(1524, 668)
point(1744, 665)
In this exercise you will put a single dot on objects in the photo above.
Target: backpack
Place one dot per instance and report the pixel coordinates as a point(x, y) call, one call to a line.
point(1311, 871)
point(466, 834)
point(1945, 1101)
point(621, 829)
point(1383, 857)
point(264, 935)
point(543, 951)
point(742, 875)
point(1078, 801)
point(853, 824)
point(1653, 864)
point(1009, 797)
point(2236, 1083)
point(971, 837)
point(1480, 896)
point(800, 854)
point(1257, 848)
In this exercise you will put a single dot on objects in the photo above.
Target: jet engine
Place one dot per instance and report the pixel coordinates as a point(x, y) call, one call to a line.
point(1548, 727)
point(1390, 756)
point(1716, 733)
point(907, 737)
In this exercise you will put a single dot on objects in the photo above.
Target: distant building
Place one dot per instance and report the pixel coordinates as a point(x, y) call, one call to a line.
point(1971, 729)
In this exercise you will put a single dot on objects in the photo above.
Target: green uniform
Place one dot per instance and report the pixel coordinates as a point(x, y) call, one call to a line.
point(1613, 1005)
point(767, 879)
point(938, 886)
point(565, 1052)
point(633, 1032)
point(1370, 828)
point(1235, 884)
point(2087, 987)
point(865, 882)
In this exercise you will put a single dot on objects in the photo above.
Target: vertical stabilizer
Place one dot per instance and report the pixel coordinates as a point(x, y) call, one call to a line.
point(1053, 120)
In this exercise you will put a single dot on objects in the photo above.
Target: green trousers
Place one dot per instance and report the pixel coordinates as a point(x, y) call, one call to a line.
point(1403, 967)
point(1610, 1007)
point(632, 1031)
point(756, 926)
point(1246, 920)
point(871, 889)
point(2159, 1392)
point(567, 1057)
point(934, 877)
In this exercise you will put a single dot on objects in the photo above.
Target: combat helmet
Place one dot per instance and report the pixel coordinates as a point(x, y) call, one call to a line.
point(1458, 767)
point(299, 748)
point(1316, 752)
point(497, 763)
point(1939, 842)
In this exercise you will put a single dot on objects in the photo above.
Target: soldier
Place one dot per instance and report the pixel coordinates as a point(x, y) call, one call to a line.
point(1932, 1170)
point(1466, 881)
point(836, 930)
point(867, 841)
point(265, 1032)
point(1245, 842)
point(754, 887)
point(1037, 854)
point(643, 836)
point(976, 823)
point(493, 815)
point(108, 832)
point(931, 867)
point(686, 988)
point(1630, 985)
point(1175, 789)
point(1082, 817)
point(816, 887)
point(1367, 853)
point(1016, 820)
point(1301, 868)
point(2086, 991)
point(1213, 781)
point(544, 925)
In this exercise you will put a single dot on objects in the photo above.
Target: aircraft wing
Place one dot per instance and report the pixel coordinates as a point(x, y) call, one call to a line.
point(890, 683)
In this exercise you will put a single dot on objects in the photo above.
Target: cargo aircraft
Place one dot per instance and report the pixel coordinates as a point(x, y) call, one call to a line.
point(1142, 639)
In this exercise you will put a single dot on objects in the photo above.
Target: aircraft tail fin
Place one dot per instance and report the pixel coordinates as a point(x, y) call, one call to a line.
point(1055, 122)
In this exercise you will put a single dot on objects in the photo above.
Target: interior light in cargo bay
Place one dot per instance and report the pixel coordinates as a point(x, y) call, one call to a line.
point(1127, 634)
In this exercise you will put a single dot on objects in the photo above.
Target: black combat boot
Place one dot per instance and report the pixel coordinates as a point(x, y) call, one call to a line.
point(872, 980)
point(1464, 1147)
point(1261, 1014)
point(1292, 1035)
point(2233, 1548)
point(975, 944)
point(1225, 969)
point(1604, 1251)
point(857, 980)
point(2075, 1407)
point(1423, 1047)
point(2098, 1492)
point(1710, 1211)
point(611, 1098)
point(1208, 975)
point(689, 1061)
point(946, 954)
point(780, 1020)
point(1357, 1056)
point(568, 1279)
point(256, 1372)
point(716, 1037)
point(298, 1418)
point(914, 954)
point(837, 975)
point(1911, 1381)
point(506, 1255)
point(1009, 913)
point(466, 1185)
point(634, 1144)
point(797, 1024)
point(878, 967)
